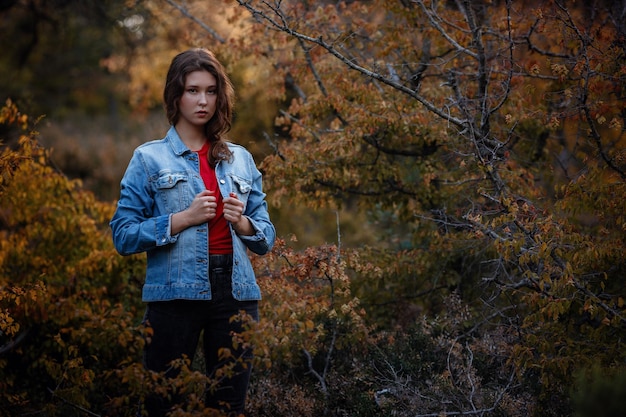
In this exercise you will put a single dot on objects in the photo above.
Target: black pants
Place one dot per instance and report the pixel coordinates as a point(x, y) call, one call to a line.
point(177, 326)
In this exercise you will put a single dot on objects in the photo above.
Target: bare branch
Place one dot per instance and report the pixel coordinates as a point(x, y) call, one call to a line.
point(350, 63)
point(435, 20)
point(14, 342)
point(595, 135)
point(193, 18)
point(309, 61)
point(76, 406)
point(511, 47)
point(312, 371)
point(273, 145)
point(611, 311)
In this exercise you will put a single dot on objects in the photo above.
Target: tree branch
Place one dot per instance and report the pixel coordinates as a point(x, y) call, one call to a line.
point(350, 63)
point(191, 17)
point(10, 345)
point(76, 406)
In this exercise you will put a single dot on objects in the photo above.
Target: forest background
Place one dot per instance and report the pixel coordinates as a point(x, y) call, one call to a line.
point(446, 177)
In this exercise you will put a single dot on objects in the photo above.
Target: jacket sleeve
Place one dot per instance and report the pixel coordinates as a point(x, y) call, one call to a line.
point(135, 228)
point(256, 211)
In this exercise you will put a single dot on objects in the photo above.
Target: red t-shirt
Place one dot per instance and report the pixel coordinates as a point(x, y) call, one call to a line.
point(220, 241)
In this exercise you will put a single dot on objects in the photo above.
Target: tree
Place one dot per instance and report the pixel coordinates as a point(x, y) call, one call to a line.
point(486, 137)
point(490, 134)
point(67, 302)
point(70, 325)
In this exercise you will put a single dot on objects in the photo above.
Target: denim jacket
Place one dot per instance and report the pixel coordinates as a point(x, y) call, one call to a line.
point(162, 178)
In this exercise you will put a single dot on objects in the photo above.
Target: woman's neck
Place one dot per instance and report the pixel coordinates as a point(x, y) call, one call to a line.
point(192, 136)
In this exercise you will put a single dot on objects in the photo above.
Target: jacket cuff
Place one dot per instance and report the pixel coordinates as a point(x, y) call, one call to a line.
point(163, 233)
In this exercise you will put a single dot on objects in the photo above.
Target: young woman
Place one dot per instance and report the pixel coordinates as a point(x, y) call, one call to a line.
point(194, 203)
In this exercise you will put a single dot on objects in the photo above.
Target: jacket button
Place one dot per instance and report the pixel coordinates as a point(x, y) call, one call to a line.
point(222, 181)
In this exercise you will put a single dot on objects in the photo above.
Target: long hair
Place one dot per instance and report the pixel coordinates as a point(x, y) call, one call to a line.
point(200, 59)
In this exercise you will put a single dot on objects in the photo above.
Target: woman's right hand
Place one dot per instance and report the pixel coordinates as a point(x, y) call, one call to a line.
point(201, 210)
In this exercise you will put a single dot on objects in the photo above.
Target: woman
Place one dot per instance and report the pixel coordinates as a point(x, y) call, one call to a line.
point(194, 203)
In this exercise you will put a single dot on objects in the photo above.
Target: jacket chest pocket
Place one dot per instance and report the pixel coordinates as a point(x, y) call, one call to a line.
point(174, 190)
point(241, 187)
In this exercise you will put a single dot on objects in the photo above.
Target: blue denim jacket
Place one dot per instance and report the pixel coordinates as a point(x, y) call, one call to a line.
point(162, 178)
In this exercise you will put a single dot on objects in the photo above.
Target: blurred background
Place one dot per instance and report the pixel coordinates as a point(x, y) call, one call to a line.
point(92, 73)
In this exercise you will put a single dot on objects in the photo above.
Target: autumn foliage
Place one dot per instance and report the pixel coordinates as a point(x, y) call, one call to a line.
point(484, 144)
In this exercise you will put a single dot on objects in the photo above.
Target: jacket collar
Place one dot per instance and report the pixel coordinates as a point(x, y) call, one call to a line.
point(178, 146)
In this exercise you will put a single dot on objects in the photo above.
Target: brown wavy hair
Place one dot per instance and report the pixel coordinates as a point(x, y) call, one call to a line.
point(200, 59)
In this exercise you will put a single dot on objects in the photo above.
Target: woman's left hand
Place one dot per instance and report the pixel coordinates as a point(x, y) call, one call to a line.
point(233, 212)
point(233, 208)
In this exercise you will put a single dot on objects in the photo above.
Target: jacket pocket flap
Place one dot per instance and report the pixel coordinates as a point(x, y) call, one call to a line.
point(243, 184)
point(169, 180)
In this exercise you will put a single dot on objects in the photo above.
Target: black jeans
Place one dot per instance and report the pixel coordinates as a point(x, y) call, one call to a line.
point(177, 326)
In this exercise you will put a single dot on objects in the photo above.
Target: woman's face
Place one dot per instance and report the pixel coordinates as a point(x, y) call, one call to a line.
point(199, 100)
